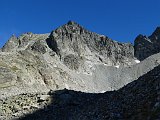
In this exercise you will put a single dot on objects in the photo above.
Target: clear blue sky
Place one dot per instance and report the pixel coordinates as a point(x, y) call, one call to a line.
point(121, 20)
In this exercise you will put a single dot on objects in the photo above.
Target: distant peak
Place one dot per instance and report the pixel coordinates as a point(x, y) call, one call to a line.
point(157, 31)
point(70, 27)
point(155, 35)
point(140, 37)
point(72, 23)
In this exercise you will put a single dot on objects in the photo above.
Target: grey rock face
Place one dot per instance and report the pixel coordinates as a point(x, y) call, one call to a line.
point(24, 41)
point(147, 46)
point(74, 39)
point(11, 45)
point(7, 77)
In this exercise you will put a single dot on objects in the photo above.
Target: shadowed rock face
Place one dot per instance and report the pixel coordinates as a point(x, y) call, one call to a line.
point(147, 46)
point(39, 46)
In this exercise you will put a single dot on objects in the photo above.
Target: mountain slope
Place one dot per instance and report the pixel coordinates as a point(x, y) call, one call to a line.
point(69, 57)
point(138, 100)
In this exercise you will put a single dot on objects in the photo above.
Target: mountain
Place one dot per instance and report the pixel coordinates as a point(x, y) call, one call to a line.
point(69, 57)
point(37, 68)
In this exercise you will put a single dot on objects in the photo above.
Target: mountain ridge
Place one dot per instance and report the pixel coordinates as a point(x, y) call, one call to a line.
point(71, 57)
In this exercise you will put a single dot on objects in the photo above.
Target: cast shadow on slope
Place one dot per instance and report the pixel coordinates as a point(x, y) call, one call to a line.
point(64, 104)
point(52, 44)
point(135, 101)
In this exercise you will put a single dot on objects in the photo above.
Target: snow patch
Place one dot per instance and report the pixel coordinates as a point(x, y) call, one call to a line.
point(105, 64)
point(117, 66)
point(102, 91)
point(66, 86)
point(137, 61)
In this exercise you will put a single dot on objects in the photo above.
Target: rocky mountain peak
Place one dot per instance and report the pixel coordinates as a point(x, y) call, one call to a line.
point(146, 46)
point(140, 36)
point(156, 32)
point(141, 39)
point(75, 40)
point(70, 27)
point(72, 23)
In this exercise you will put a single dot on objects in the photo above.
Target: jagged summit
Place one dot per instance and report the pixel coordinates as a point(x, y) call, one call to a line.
point(70, 22)
point(146, 46)
point(71, 27)
point(156, 32)
point(74, 39)
point(73, 23)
